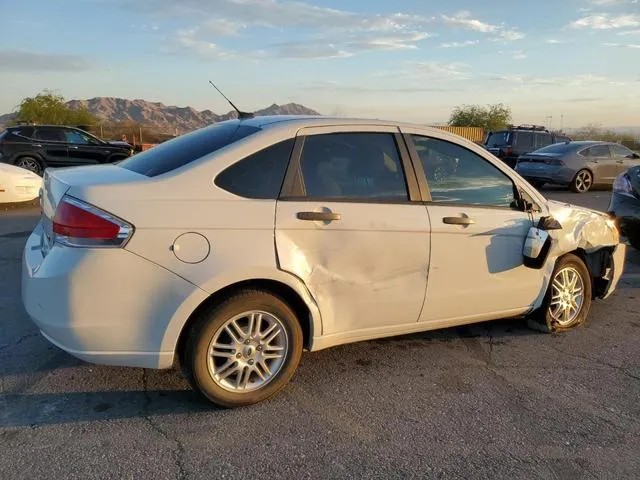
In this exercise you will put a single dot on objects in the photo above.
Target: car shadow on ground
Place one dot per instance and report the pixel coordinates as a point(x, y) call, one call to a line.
point(166, 392)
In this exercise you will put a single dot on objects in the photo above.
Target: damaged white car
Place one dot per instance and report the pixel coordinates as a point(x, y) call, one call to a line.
point(237, 246)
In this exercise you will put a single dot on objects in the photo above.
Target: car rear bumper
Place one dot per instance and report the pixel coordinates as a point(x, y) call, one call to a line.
point(105, 306)
point(548, 174)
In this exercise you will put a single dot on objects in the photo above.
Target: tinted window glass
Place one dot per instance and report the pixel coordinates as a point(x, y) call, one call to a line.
point(187, 148)
point(76, 137)
point(557, 148)
point(3, 134)
point(543, 139)
point(353, 166)
point(457, 175)
point(524, 140)
point(598, 151)
point(50, 135)
point(620, 151)
point(259, 175)
point(498, 139)
point(24, 132)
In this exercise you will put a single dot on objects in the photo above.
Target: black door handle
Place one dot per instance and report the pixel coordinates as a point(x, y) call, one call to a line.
point(458, 220)
point(318, 216)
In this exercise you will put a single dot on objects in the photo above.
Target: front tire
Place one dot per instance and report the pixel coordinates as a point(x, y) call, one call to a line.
point(568, 300)
point(582, 182)
point(244, 350)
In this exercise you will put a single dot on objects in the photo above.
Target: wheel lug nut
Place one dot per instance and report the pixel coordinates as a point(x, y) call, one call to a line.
point(239, 355)
point(250, 362)
point(259, 348)
point(247, 341)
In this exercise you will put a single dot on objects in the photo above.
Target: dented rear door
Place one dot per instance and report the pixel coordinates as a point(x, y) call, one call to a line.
point(347, 226)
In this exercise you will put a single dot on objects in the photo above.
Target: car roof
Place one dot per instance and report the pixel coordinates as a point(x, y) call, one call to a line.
point(301, 121)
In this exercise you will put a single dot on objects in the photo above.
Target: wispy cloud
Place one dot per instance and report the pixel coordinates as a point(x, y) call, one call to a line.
point(607, 22)
point(629, 32)
point(459, 44)
point(553, 41)
point(624, 45)
point(613, 2)
point(519, 55)
point(34, 62)
point(465, 21)
point(574, 81)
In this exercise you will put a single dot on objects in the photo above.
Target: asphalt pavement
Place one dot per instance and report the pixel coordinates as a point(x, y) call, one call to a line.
point(492, 400)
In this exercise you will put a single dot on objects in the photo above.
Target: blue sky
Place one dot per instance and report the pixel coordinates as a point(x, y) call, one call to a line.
point(407, 59)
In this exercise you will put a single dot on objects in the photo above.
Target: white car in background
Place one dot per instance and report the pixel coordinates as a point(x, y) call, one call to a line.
point(235, 247)
point(18, 184)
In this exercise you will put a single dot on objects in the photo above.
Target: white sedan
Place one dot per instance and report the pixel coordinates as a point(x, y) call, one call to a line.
point(235, 247)
point(18, 184)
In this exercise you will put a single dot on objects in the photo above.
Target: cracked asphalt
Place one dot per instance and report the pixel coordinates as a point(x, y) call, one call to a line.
point(492, 400)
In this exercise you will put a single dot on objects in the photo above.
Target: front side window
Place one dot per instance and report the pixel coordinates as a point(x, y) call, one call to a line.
point(259, 175)
point(77, 138)
point(356, 166)
point(457, 175)
point(621, 151)
point(498, 139)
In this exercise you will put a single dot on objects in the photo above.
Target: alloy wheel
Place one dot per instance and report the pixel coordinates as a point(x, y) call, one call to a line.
point(583, 181)
point(247, 352)
point(567, 296)
point(30, 164)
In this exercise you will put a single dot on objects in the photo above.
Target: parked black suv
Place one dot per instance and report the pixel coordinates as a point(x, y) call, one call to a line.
point(36, 147)
point(512, 142)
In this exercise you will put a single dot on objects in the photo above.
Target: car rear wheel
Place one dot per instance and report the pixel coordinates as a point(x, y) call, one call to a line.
point(582, 182)
point(537, 184)
point(30, 163)
point(634, 238)
point(568, 299)
point(245, 350)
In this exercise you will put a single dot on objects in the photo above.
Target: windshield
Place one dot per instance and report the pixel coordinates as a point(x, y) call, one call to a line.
point(187, 148)
point(498, 139)
point(556, 148)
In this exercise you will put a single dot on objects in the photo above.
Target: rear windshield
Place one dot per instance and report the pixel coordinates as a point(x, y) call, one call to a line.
point(187, 148)
point(498, 139)
point(557, 148)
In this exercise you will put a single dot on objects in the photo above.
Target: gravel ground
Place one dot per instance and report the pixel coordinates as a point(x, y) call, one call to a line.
point(492, 400)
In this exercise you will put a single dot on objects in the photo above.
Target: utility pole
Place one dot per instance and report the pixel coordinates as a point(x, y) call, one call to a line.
point(561, 122)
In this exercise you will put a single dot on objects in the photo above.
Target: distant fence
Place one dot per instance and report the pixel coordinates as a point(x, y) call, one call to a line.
point(475, 134)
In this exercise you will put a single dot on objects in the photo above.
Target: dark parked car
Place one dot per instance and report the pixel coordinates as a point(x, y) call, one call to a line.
point(625, 205)
point(509, 144)
point(36, 147)
point(580, 165)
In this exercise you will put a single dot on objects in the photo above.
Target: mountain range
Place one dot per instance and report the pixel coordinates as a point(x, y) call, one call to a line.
point(163, 117)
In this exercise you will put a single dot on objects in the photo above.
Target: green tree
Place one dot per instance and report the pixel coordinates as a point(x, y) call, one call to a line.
point(490, 117)
point(50, 108)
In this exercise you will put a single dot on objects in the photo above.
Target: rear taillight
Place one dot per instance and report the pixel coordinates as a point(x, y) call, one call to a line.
point(622, 185)
point(508, 151)
point(554, 161)
point(78, 224)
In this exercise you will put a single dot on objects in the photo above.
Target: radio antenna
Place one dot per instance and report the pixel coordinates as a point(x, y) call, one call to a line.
point(241, 115)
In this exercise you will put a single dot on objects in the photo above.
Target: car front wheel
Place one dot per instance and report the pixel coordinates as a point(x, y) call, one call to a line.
point(245, 350)
point(568, 299)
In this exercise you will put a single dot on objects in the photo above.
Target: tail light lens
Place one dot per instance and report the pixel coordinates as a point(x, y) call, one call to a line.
point(508, 151)
point(554, 161)
point(623, 185)
point(79, 224)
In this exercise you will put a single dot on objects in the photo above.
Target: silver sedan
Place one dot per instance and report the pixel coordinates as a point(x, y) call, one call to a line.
point(579, 165)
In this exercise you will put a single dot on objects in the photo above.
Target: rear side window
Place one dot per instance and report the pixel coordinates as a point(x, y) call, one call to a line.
point(620, 151)
point(543, 140)
point(353, 166)
point(50, 135)
point(26, 132)
point(187, 148)
point(259, 175)
point(524, 140)
point(597, 151)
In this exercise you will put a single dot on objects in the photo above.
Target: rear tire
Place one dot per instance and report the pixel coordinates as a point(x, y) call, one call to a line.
point(582, 182)
point(244, 350)
point(634, 238)
point(567, 302)
point(30, 163)
point(537, 184)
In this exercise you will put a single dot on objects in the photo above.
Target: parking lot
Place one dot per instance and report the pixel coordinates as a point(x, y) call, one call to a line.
point(492, 400)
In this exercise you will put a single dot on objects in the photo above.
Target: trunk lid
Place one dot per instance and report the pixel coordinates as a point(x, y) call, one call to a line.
point(58, 182)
